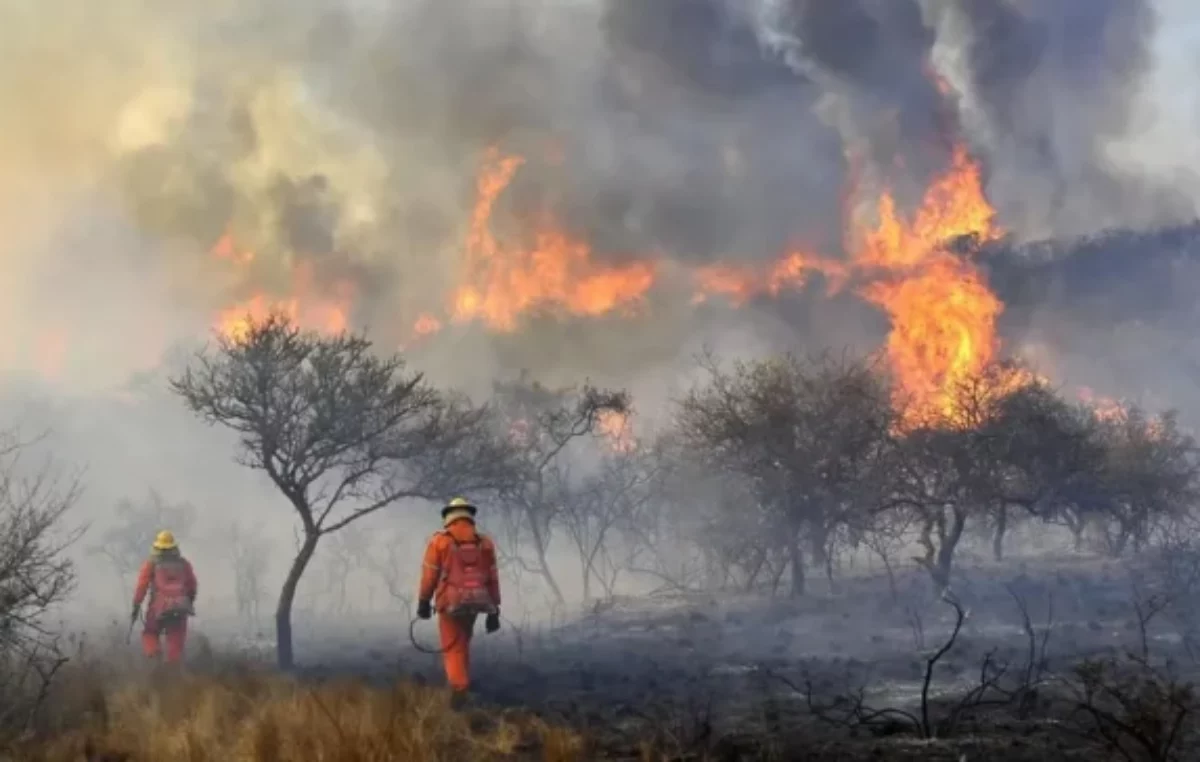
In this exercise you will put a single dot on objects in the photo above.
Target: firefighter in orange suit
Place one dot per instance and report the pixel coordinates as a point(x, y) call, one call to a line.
point(171, 583)
point(461, 579)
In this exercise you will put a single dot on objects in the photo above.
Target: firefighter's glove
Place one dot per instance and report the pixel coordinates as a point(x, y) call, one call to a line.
point(137, 611)
point(424, 610)
point(492, 623)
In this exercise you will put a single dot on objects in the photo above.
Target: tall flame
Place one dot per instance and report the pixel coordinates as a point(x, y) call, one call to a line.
point(942, 312)
point(556, 272)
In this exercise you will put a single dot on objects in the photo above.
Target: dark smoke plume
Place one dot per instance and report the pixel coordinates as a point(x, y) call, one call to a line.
point(346, 135)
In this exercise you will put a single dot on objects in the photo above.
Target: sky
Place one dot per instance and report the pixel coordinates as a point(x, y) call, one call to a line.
point(1174, 91)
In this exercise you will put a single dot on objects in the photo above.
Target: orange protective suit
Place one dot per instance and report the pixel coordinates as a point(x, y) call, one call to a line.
point(165, 576)
point(456, 630)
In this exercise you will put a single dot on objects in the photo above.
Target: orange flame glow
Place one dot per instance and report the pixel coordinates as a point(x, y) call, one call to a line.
point(943, 314)
point(426, 325)
point(1103, 408)
point(617, 431)
point(557, 272)
point(739, 284)
point(304, 306)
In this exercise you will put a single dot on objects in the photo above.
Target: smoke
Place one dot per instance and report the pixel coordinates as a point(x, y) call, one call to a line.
point(1051, 89)
point(345, 136)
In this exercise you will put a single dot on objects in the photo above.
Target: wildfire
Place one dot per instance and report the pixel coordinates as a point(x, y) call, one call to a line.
point(617, 430)
point(942, 312)
point(1103, 408)
point(323, 312)
point(739, 284)
point(427, 324)
point(943, 315)
point(556, 272)
point(226, 248)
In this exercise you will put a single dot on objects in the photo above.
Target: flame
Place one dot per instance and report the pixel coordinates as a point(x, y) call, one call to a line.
point(942, 312)
point(226, 248)
point(740, 283)
point(325, 311)
point(426, 325)
point(617, 430)
point(556, 272)
point(1117, 414)
point(1104, 408)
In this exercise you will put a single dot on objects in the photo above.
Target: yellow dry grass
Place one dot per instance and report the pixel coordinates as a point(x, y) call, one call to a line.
point(259, 717)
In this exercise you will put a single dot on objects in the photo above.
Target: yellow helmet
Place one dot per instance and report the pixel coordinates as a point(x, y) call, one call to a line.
point(459, 507)
point(165, 541)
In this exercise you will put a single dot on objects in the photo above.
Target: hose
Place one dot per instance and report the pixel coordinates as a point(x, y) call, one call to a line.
point(412, 636)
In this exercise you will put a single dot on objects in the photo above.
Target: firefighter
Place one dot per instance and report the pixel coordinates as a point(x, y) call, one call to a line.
point(461, 578)
point(171, 583)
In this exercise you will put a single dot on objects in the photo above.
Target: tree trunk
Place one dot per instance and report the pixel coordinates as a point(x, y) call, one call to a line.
point(891, 575)
point(817, 547)
point(540, 542)
point(755, 571)
point(283, 612)
point(1077, 528)
point(945, 556)
point(544, 570)
point(777, 576)
point(797, 564)
point(998, 535)
point(1117, 544)
point(939, 555)
point(587, 582)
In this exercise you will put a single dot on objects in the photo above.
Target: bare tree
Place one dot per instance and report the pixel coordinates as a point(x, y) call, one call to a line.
point(127, 541)
point(249, 553)
point(35, 576)
point(703, 529)
point(806, 436)
point(606, 504)
point(1149, 475)
point(345, 554)
point(542, 423)
point(394, 567)
point(340, 431)
point(883, 533)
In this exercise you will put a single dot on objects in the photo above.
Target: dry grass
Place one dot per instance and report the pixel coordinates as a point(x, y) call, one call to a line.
point(252, 717)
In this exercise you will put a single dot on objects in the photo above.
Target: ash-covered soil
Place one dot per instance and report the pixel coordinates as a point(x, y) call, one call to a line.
point(728, 673)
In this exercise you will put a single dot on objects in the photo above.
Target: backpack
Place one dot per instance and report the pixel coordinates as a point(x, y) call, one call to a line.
point(463, 588)
point(168, 585)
